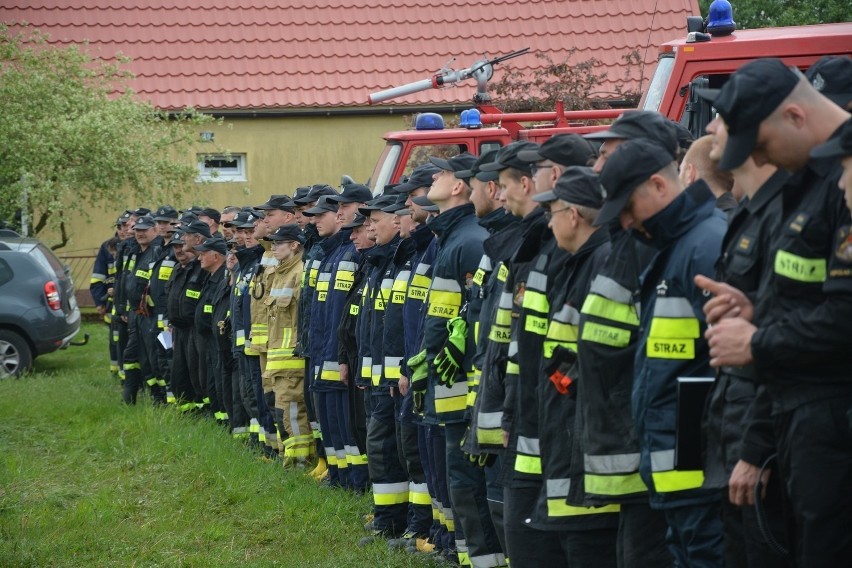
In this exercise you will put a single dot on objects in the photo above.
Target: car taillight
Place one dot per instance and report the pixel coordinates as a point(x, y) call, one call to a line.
point(51, 294)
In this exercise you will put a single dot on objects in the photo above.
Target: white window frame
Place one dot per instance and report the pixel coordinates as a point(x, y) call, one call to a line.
point(222, 175)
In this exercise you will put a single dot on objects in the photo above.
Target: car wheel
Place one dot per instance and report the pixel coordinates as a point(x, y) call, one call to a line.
point(15, 354)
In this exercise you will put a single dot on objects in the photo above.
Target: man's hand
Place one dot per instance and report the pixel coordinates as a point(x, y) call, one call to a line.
point(403, 385)
point(102, 311)
point(505, 439)
point(727, 301)
point(344, 373)
point(743, 480)
point(110, 291)
point(124, 319)
point(730, 342)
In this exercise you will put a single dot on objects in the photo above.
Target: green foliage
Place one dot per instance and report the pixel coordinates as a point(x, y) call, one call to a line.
point(86, 481)
point(73, 134)
point(575, 84)
point(749, 14)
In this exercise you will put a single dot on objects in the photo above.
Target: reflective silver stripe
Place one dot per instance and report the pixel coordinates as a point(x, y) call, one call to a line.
point(268, 261)
point(351, 450)
point(568, 314)
point(662, 460)
point(390, 488)
point(488, 561)
point(422, 268)
point(169, 263)
point(393, 361)
point(458, 389)
point(537, 281)
point(98, 276)
point(673, 308)
point(506, 301)
point(616, 463)
point(324, 277)
point(403, 275)
point(445, 285)
point(346, 265)
point(377, 370)
point(513, 348)
point(294, 419)
point(281, 292)
point(330, 366)
point(528, 446)
point(489, 419)
point(241, 334)
point(485, 263)
point(609, 288)
point(558, 487)
point(387, 284)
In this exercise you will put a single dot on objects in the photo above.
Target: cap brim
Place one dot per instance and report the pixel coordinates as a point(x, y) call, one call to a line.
point(545, 197)
point(530, 156)
point(492, 167)
point(431, 208)
point(487, 176)
point(441, 163)
point(464, 174)
point(612, 209)
point(403, 212)
point(313, 211)
point(738, 148)
point(709, 95)
point(142, 226)
point(603, 135)
point(831, 149)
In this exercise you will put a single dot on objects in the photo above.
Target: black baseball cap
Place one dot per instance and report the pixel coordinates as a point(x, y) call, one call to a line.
point(314, 194)
point(832, 76)
point(425, 203)
point(290, 232)
point(476, 170)
point(177, 239)
point(281, 202)
point(324, 204)
point(750, 95)
point(211, 212)
point(398, 204)
point(245, 220)
point(216, 244)
point(352, 193)
point(199, 227)
point(377, 204)
point(563, 149)
point(840, 145)
point(641, 124)
point(123, 218)
point(421, 176)
point(578, 185)
point(166, 213)
point(460, 163)
point(630, 165)
point(144, 222)
point(507, 157)
point(356, 222)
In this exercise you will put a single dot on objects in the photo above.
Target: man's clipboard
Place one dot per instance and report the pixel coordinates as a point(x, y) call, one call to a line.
point(691, 400)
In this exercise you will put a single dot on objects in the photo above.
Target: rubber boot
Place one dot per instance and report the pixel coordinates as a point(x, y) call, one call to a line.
point(320, 470)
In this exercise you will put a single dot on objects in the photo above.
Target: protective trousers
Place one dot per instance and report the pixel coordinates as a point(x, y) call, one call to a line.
point(214, 379)
point(389, 479)
point(197, 355)
point(273, 439)
point(494, 493)
point(184, 365)
point(292, 418)
point(225, 386)
point(419, 502)
point(248, 397)
point(266, 425)
point(311, 409)
point(138, 365)
point(695, 535)
point(118, 337)
point(642, 538)
point(436, 456)
point(470, 503)
point(524, 544)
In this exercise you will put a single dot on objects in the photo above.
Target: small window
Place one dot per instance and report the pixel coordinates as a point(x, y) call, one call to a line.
point(222, 168)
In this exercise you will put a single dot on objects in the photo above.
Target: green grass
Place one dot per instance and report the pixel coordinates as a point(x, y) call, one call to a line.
point(87, 481)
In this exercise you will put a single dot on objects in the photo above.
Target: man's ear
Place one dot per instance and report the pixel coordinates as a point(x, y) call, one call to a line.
point(529, 186)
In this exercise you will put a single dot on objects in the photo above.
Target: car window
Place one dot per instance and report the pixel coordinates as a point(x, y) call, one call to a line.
point(5, 272)
point(47, 259)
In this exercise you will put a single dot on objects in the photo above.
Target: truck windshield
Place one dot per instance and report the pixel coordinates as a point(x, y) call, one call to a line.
point(385, 167)
point(658, 84)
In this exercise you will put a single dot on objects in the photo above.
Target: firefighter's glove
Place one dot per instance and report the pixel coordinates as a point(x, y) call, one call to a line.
point(418, 369)
point(559, 371)
point(451, 356)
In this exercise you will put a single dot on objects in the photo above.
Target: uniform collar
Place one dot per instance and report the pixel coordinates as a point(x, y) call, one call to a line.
point(444, 223)
point(693, 205)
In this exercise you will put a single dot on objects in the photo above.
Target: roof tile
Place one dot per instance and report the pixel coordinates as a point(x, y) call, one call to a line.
point(275, 54)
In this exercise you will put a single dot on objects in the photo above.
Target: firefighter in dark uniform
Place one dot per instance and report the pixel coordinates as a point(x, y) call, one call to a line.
point(645, 194)
point(101, 288)
point(124, 259)
point(587, 535)
point(161, 271)
point(211, 256)
point(180, 321)
point(138, 364)
point(796, 333)
point(195, 233)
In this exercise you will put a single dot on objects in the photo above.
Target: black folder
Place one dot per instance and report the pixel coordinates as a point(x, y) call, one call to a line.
point(691, 400)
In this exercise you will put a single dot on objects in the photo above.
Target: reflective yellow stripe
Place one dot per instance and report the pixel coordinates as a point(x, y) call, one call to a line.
point(527, 464)
point(667, 481)
point(208, 308)
point(614, 484)
point(285, 364)
point(451, 404)
point(165, 272)
point(418, 497)
point(502, 273)
point(194, 294)
point(512, 368)
point(417, 293)
point(490, 436)
point(674, 328)
point(605, 308)
point(535, 301)
point(499, 334)
point(559, 508)
point(605, 334)
point(354, 309)
point(550, 346)
point(535, 324)
point(143, 274)
point(799, 268)
point(503, 317)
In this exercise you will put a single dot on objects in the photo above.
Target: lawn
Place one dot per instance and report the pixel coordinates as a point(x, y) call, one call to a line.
point(87, 481)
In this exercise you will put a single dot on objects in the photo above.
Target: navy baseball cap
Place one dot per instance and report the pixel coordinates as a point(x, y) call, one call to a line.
point(314, 194)
point(324, 205)
point(563, 149)
point(144, 222)
point(281, 202)
point(166, 213)
point(356, 222)
point(459, 163)
point(377, 204)
point(508, 157)
point(630, 165)
point(177, 239)
point(352, 193)
point(421, 176)
point(642, 124)
point(199, 227)
point(840, 145)
point(578, 185)
point(212, 213)
point(216, 244)
point(290, 232)
point(832, 76)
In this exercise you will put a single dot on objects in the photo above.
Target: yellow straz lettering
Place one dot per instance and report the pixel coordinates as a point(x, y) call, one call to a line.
point(354, 309)
point(321, 296)
point(380, 304)
point(536, 325)
point(502, 273)
point(443, 310)
point(799, 268)
point(144, 274)
point(479, 277)
point(417, 293)
point(670, 348)
point(194, 294)
point(208, 308)
point(344, 285)
point(605, 334)
point(499, 334)
point(398, 297)
point(165, 273)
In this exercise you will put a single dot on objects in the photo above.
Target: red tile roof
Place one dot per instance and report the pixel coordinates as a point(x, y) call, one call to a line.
point(279, 54)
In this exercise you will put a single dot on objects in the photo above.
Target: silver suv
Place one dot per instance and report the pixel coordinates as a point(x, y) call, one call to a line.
point(38, 310)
